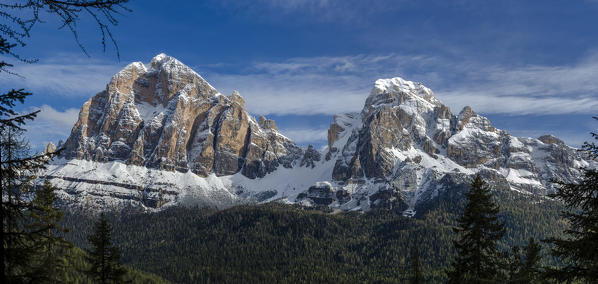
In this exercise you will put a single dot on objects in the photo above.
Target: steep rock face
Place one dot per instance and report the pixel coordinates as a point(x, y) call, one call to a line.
point(165, 116)
point(49, 148)
point(266, 150)
point(405, 143)
point(398, 115)
point(160, 135)
point(549, 139)
point(311, 157)
point(476, 141)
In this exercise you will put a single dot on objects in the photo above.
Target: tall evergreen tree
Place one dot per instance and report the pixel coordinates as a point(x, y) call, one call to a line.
point(417, 276)
point(17, 166)
point(49, 263)
point(17, 172)
point(525, 269)
point(579, 250)
point(477, 259)
point(103, 256)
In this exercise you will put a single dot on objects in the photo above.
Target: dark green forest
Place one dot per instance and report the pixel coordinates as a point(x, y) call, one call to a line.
point(286, 243)
point(77, 265)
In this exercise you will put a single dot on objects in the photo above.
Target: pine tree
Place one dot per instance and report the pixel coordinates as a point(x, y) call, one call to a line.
point(17, 166)
point(50, 263)
point(103, 256)
point(579, 251)
point(417, 276)
point(477, 259)
point(524, 269)
point(17, 173)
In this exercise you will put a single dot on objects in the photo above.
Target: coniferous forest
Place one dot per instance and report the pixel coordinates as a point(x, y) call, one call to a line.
point(276, 242)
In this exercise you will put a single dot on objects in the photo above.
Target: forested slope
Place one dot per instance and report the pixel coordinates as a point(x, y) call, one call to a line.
point(286, 243)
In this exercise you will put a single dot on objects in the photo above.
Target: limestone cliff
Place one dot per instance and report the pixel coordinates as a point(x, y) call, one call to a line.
point(166, 116)
point(405, 144)
point(160, 135)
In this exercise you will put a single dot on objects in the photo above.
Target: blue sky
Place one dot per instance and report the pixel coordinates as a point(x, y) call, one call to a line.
point(531, 67)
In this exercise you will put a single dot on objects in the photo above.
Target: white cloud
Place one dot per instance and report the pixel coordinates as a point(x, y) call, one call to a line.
point(297, 4)
point(489, 102)
point(527, 90)
point(328, 85)
point(294, 94)
point(337, 11)
point(571, 138)
point(63, 76)
point(50, 125)
point(312, 85)
point(306, 135)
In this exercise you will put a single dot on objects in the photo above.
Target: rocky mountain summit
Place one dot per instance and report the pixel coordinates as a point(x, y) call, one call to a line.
point(160, 135)
point(165, 116)
point(408, 147)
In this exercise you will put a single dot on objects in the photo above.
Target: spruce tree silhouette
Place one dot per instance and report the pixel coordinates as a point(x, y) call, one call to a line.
point(579, 250)
point(103, 256)
point(477, 259)
point(17, 166)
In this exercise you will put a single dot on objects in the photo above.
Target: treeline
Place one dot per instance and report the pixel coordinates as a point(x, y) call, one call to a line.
point(34, 250)
point(286, 243)
point(76, 264)
point(275, 243)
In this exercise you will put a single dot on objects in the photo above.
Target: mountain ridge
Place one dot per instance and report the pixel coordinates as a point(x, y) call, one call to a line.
point(162, 128)
point(166, 116)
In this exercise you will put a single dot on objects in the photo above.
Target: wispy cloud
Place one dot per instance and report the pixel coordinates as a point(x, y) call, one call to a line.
point(288, 94)
point(523, 103)
point(526, 90)
point(50, 125)
point(306, 135)
point(62, 75)
point(312, 85)
point(328, 85)
point(344, 11)
point(571, 137)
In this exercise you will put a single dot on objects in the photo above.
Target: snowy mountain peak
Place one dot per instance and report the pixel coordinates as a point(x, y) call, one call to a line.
point(160, 62)
point(169, 64)
point(169, 118)
point(414, 98)
point(393, 88)
point(160, 58)
point(468, 118)
point(137, 66)
point(160, 135)
point(399, 84)
point(165, 78)
point(164, 61)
